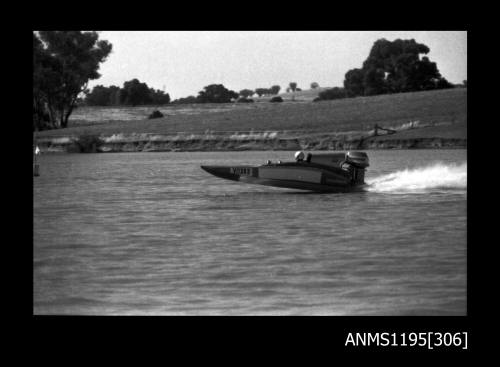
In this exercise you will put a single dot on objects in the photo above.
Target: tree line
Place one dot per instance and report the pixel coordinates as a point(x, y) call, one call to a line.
point(246, 93)
point(65, 61)
point(217, 93)
point(213, 93)
point(133, 93)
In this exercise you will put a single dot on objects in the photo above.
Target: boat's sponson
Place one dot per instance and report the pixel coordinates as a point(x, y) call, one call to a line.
point(335, 172)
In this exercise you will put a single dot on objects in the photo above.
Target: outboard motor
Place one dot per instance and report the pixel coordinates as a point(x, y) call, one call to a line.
point(357, 163)
point(357, 159)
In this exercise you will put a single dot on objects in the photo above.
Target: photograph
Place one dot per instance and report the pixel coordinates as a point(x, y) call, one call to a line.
point(250, 173)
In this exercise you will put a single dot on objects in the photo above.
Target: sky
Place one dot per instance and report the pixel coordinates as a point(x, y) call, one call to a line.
point(183, 62)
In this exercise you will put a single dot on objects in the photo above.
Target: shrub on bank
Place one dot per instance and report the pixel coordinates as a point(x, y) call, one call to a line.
point(88, 143)
point(276, 99)
point(155, 115)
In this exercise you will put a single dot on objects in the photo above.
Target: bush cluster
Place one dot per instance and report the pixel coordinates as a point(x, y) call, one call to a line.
point(88, 143)
point(155, 115)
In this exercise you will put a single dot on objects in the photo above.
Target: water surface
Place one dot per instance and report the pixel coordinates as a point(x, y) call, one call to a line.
point(152, 233)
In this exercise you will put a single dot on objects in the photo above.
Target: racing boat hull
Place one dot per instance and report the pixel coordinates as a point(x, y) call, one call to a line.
point(304, 175)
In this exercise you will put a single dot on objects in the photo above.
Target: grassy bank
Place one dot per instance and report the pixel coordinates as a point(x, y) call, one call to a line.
point(439, 117)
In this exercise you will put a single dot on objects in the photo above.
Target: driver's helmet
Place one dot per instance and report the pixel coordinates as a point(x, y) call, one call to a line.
point(299, 156)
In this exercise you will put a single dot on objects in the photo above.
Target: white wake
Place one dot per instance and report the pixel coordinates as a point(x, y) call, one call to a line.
point(439, 176)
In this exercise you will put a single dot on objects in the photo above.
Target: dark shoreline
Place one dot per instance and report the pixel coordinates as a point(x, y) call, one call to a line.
point(70, 145)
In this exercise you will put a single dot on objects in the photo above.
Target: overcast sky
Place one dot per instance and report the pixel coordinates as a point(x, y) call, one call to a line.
point(184, 62)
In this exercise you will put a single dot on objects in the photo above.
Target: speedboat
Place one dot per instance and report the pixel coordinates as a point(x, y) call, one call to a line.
point(331, 172)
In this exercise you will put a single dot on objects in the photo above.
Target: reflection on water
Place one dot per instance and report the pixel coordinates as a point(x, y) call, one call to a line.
point(151, 233)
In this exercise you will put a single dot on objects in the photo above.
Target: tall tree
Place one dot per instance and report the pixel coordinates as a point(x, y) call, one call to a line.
point(135, 93)
point(261, 91)
point(44, 80)
point(64, 62)
point(275, 89)
point(159, 97)
point(245, 93)
point(101, 96)
point(374, 82)
point(353, 82)
point(395, 67)
point(114, 95)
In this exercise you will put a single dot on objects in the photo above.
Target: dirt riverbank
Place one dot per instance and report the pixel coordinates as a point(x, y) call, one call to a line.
point(430, 137)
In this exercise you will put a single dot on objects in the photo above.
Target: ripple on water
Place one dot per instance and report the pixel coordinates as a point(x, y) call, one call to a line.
point(154, 234)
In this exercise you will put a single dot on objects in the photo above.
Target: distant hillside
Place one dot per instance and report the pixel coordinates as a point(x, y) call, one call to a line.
point(441, 107)
point(431, 120)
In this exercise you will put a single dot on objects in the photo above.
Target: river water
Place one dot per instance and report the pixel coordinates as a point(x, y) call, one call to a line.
point(153, 234)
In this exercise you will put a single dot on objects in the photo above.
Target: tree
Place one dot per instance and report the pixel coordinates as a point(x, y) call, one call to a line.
point(99, 96)
point(186, 100)
point(261, 91)
point(275, 89)
point(395, 67)
point(293, 87)
point(373, 82)
point(332, 93)
point(353, 82)
point(216, 93)
point(115, 95)
point(314, 85)
point(63, 63)
point(102, 96)
point(135, 93)
point(442, 83)
point(159, 97)
point(44, 78)
point(245, 93)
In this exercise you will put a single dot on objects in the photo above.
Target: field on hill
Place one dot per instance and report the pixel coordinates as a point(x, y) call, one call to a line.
point(442, 107)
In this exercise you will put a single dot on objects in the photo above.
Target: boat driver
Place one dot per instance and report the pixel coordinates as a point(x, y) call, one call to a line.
point(299, 156)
